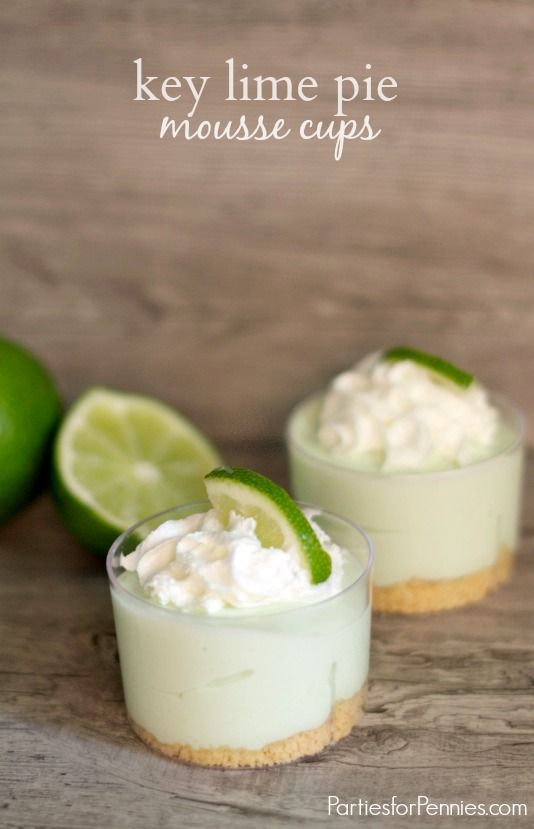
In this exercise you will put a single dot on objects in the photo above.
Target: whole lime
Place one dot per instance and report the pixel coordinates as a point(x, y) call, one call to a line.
point(29, 411)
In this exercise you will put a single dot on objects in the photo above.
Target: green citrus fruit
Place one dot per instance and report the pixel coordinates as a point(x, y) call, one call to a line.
point(29, 411)
point(119, 458)
point(280, 522)
point(436, 364)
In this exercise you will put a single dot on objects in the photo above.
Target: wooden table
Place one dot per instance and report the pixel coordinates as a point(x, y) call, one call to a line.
point(133, 262)
point(450, 711)
point(231, 281)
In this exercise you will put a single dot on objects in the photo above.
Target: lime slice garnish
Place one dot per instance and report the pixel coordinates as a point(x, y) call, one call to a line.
point(120, 457)
point(279, 521)
point(436, 364)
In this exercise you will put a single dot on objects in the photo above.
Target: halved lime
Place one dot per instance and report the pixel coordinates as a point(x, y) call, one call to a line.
point(436, 364)
point(280, 522)
point(119, 457)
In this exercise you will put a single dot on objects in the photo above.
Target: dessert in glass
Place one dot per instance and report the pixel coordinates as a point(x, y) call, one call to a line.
point(230, 656)
point(417, 453)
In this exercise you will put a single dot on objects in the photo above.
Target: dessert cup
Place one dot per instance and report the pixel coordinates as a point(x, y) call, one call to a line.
point(442, 538)
point(244, 687)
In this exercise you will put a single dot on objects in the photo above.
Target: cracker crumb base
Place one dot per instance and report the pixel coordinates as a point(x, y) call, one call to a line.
point(419, 596)
point(343, 717)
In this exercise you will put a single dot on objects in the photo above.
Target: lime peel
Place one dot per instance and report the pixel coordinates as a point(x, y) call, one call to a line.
point(436, 364)
point(279, 521)
point(30, 409)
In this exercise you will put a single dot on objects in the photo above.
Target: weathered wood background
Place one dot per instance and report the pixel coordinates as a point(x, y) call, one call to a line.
point(231, 279)
point(450, 712)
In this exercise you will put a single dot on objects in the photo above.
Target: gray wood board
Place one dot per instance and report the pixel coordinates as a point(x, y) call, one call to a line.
point(233, 279)
point(449, 713)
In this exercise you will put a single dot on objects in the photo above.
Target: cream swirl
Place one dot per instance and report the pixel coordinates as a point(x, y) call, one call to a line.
point(405, 415)
point(197, 564)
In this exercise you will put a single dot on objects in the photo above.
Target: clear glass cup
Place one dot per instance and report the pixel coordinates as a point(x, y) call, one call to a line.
point(244, 688)
point(442, 538)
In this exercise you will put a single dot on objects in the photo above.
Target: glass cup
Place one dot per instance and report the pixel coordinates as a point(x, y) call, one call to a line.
point(442, 538)
point(245, 687)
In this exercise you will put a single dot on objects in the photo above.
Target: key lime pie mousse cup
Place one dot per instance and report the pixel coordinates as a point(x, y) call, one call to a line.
point(229, 656)
point(416, 452)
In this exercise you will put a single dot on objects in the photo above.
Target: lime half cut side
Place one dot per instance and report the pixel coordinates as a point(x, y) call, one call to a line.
point(280, 523)
point(120, 457)
point(436, 364)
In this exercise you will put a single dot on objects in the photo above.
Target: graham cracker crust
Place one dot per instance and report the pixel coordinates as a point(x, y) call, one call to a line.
point(419, 596)
point(343, 717)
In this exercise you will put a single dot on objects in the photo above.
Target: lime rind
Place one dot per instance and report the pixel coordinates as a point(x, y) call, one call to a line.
point(30, 410)
point(279, 521)
point(435, 364)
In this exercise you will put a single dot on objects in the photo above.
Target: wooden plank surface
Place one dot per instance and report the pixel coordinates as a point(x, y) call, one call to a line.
point(449, 713)
point(233, 279)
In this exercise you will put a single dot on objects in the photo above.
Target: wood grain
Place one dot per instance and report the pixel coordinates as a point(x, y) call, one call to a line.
point(449, 712)
point(233, 279)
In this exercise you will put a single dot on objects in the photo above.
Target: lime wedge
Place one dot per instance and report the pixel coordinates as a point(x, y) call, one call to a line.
point(120, 457)
point(436, 364)
point(279, 521)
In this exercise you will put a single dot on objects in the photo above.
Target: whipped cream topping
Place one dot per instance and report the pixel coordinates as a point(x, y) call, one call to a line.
point(197, 564)
point(407, 415)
